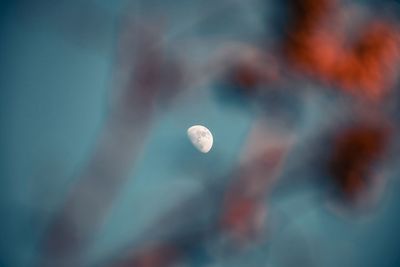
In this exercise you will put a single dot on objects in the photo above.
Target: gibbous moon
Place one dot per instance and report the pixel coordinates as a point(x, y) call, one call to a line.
point(200, 137)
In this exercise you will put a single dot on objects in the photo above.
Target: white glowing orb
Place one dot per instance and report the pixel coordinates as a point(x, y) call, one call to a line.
point(201, 138)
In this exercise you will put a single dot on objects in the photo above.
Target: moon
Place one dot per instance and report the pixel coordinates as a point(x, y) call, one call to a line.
point(201, 138)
